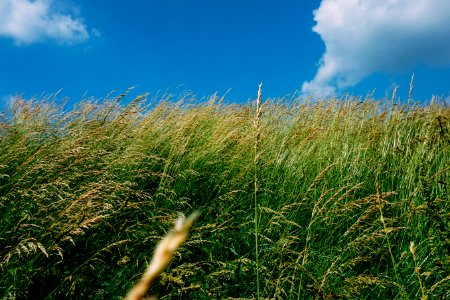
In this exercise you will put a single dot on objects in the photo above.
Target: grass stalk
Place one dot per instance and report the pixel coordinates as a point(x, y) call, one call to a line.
point(386, 234)
point(417, 270)
point(162, 256)
point(411, 88)
point(257, 128)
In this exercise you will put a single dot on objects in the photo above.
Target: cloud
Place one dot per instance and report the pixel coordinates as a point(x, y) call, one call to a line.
point(370, 36)
point(29, 22)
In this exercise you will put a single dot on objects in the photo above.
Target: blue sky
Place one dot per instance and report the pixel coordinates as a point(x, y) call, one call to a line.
point(315, 47)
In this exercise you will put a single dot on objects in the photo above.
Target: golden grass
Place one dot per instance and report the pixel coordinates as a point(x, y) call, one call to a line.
point(163, 255)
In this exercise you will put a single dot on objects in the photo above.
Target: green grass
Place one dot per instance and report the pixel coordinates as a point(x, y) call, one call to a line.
point(342, 187)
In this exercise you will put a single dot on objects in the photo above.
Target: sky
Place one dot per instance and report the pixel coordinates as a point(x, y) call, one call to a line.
point(92, 48)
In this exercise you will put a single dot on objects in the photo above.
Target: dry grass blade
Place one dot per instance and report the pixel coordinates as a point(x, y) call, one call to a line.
point(417, 270)
point(320, 177)
point(163, 255)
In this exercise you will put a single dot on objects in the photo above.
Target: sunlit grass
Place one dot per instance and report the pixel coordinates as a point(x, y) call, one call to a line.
point(350, 199)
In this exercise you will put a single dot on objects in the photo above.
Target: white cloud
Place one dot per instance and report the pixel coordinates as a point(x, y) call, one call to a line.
point(363, 37)
point(28, 21)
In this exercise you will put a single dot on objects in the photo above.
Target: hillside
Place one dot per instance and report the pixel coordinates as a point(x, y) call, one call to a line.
point(352, 199)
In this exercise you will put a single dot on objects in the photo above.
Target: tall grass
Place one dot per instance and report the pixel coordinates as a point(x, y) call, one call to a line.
point(351, 199)
point(257, 127)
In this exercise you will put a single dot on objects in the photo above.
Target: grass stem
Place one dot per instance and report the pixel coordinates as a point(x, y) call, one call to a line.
point(257, 127)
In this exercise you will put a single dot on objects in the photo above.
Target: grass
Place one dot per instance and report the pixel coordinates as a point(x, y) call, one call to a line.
point(163, 255)
point(346, 199)
point(257, 129)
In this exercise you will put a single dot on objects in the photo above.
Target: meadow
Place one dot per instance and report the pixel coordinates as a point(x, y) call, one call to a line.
point(299, 198)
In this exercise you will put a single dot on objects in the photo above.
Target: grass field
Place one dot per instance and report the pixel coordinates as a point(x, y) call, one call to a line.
point(346, 199)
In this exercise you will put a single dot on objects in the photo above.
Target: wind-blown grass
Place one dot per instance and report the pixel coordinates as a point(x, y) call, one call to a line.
point(353, 199)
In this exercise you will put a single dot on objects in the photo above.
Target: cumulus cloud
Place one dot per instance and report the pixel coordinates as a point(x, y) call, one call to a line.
point(28, 21)
point(365, 37)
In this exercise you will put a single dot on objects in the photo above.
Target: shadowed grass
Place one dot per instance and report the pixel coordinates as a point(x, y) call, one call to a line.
point(352, 199)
